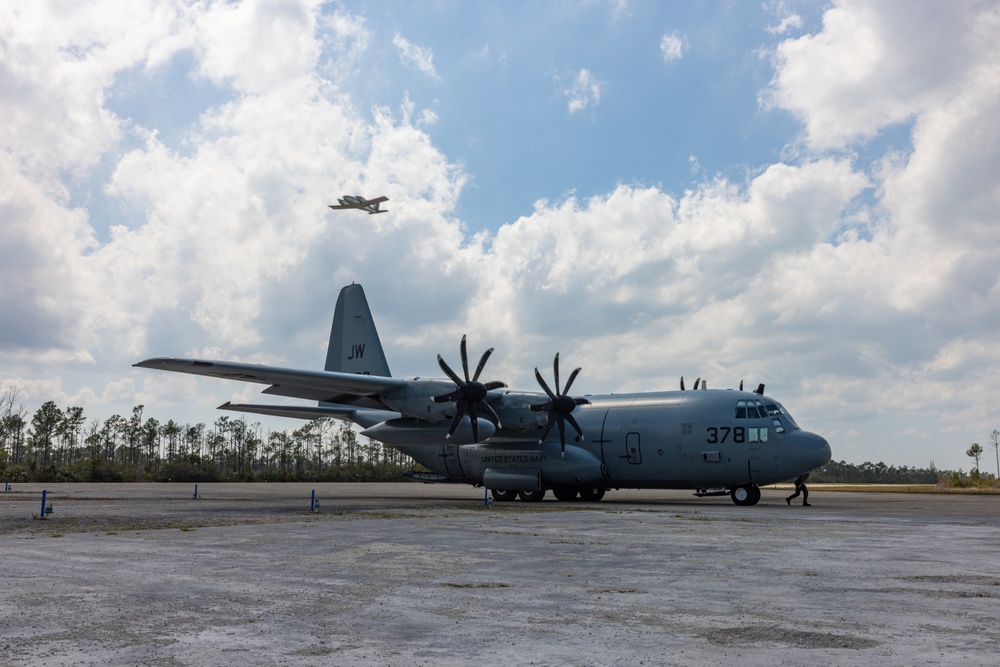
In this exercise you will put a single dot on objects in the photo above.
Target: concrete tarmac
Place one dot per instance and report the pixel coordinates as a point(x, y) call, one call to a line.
point(404, 574)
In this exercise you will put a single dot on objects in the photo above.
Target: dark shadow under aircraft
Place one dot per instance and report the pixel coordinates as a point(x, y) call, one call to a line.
point(521, 444)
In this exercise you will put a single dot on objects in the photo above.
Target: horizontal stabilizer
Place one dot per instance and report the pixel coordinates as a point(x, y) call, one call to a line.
point(361, 416)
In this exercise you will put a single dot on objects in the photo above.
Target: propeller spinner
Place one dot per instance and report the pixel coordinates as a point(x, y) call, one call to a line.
point(560, 404)
point(469, 394)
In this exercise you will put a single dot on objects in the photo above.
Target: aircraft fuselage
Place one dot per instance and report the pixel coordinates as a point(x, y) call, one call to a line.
point(706, 439)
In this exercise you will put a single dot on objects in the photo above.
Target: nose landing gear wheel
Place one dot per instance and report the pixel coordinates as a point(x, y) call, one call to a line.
point(746, 495)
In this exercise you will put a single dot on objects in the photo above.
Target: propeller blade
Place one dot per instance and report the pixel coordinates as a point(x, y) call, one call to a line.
point(482, 362)
point(465, 358)
point(562, 434)
point(741, 385)
point(541, 381)
point(459, 413)
point(450, 373)
point(760, 389)
point(446, 398)
point(548, 427)
point(572, 422)
point(555, 373)
point(474, 417)
point(682, 383)
point(569, 383)
point(491, 413)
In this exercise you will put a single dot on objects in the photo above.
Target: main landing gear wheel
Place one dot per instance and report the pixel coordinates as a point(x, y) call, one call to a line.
point(746, 495)
point(503, 496)
point(531, 496)
point(592, 493)
point(564, 494)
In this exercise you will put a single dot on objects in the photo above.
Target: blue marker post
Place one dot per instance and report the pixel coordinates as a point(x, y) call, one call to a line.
point(486, 497)
point(314, 504)
point(41, 515)
point(6, 485)
point(195, 492)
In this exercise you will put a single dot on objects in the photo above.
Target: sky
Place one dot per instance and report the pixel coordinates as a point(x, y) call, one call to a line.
point(802, 194)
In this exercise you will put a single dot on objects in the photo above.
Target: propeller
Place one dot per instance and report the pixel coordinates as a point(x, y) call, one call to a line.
point(560, 404)
point(469, 394)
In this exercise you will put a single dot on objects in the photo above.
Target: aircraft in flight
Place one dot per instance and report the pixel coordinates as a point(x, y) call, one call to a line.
point(360, 203)
point(521, 444)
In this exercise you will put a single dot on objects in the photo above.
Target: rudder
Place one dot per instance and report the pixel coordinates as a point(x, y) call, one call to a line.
point(354, 343)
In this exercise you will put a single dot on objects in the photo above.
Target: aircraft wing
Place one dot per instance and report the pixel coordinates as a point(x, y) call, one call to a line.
point(340, 207)
point(327, 386)
point(377, 200)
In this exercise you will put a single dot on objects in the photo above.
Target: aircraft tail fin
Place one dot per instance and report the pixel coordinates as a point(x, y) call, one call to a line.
point(354, 343)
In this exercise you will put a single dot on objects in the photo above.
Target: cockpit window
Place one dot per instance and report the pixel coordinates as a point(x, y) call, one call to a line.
point(776, 409)
point(750, 409)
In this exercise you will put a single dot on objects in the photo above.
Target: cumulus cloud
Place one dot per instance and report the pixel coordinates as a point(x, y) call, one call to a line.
point(583, 92)
point(415, 56)
point(229, 39)
point(855, 291)
point(876, 64)
point(344, 39)
point(672, 47)
point(789, 20)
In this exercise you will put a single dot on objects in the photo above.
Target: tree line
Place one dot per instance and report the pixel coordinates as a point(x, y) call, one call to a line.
point(842, 472)
point(61, 445)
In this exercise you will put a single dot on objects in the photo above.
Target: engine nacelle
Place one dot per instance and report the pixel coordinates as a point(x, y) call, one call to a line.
point(416, 399)
point(514, 410)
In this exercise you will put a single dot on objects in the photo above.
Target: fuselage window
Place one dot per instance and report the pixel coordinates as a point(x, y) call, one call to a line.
point(741, 409)
point(756, 434)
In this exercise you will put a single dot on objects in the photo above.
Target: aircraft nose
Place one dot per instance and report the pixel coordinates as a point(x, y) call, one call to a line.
point(813, 447)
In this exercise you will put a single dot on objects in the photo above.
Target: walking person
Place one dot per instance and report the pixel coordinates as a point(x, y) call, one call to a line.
point(800, 487)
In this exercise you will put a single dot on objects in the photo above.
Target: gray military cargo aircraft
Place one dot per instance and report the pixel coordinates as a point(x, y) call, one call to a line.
point(360, 203)
point(516, 443)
